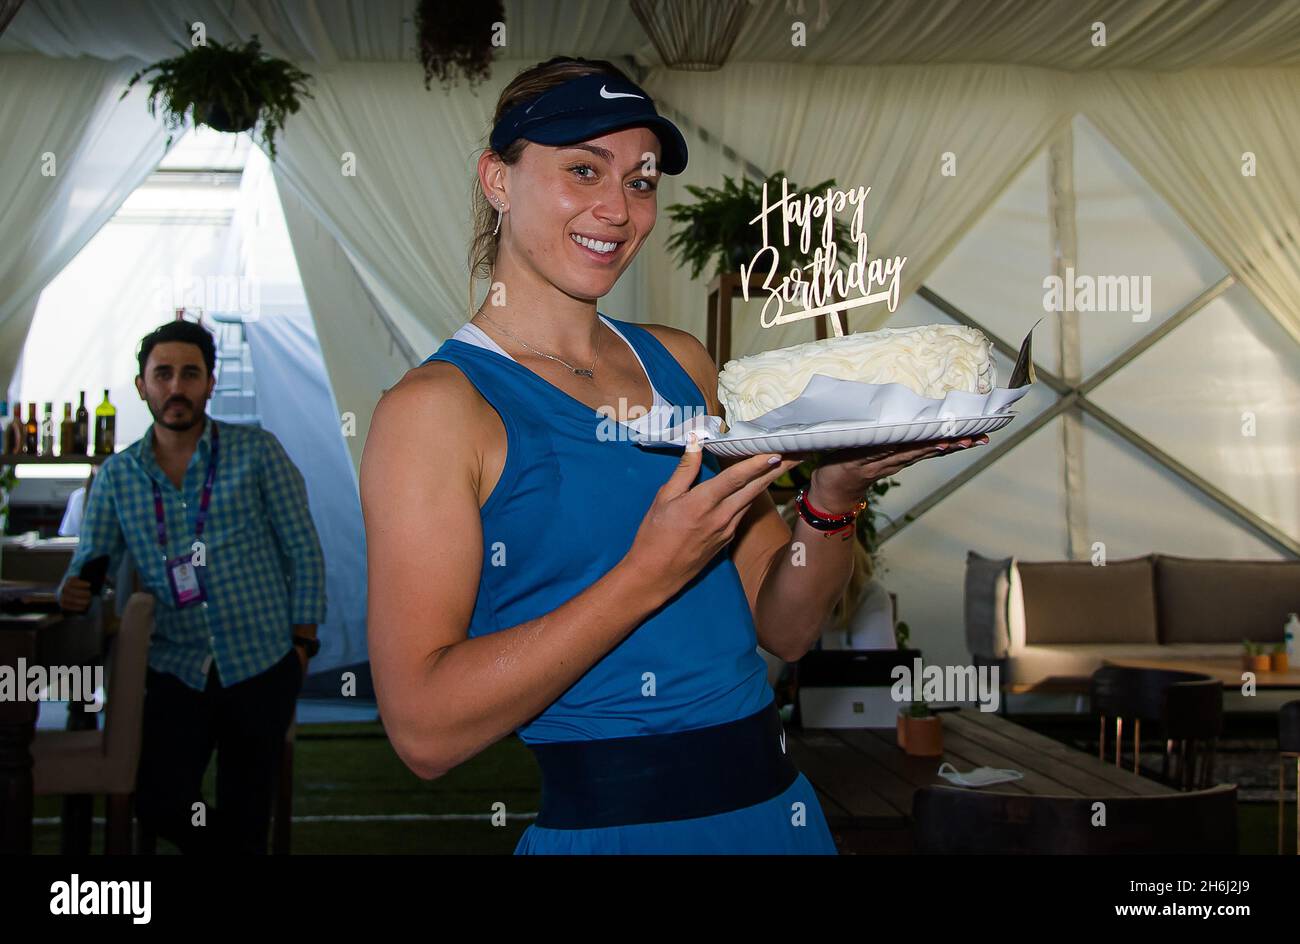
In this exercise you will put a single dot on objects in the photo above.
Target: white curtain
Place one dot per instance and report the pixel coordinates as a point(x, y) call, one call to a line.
point(1220, 146)
point(363, 351)
point(323, 32)
point(149, 30)
point(1144, 34)
point(1057, 34)
point(72, 152)
point(387, 167)
point(295, 402)
point(890, 129)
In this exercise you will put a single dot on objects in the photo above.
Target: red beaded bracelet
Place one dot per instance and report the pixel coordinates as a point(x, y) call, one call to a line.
point(824, 521)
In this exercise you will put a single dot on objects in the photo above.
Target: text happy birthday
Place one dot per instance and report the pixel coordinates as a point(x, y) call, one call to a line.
point(877, 280)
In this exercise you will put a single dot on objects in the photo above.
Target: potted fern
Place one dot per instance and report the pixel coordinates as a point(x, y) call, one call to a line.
point(229, 88)
point(717, 227)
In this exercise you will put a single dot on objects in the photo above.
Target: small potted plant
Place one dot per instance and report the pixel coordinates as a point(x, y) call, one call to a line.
point(228, 88)
point(920, 730)
point(1254, 658)
point(1277, 660)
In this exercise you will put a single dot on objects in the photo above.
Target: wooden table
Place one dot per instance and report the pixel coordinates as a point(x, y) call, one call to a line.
point(18, 640)
point(1227, 669)
point(866, 783)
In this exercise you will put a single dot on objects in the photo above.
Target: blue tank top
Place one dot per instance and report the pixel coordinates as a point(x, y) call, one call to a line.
point(565, 511)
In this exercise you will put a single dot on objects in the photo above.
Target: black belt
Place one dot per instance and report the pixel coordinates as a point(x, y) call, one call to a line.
point(653, 778)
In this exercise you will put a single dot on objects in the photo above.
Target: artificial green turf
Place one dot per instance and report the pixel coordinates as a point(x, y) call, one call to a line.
point(351, 769)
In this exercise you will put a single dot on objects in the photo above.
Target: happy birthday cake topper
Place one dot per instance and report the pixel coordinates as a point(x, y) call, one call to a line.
point(825, 288)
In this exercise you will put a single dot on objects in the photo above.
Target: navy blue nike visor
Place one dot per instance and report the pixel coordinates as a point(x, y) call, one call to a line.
point(587, 107)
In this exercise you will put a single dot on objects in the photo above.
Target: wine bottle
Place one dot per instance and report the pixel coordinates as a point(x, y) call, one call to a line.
point(6, 435)
point(81, 435)
point(67, 431)
point(17, 431)
point(105, 423)
point(31, 432)
point(47, 430)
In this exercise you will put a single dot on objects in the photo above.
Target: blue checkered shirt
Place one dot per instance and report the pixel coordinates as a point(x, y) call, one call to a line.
point(264, 571)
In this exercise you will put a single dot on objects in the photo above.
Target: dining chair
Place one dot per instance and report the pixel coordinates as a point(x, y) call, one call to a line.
point(1288, 750)
point(103, 762)
point(1185, 707)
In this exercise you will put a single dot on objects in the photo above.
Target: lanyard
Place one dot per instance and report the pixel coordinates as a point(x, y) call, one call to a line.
point(204, 501)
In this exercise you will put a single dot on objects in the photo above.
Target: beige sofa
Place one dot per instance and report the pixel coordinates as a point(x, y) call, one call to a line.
point(1049, 624)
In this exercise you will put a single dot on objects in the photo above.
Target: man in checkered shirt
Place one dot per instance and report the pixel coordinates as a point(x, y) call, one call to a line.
point(215, 518)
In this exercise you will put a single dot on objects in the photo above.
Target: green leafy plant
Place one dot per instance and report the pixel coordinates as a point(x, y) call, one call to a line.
point(717, 226)
point(228, 88)
point(457, 37)
point(918, 709)
point(902, 634)
point(8, 479)
point(1253, 648)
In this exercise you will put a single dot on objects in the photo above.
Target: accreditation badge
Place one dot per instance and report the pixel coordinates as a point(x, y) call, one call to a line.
point(187, 590)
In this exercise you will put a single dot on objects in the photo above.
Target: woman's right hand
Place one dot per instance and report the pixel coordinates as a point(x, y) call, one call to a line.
point(685, 527)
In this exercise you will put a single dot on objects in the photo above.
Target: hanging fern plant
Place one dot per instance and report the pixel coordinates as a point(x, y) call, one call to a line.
point(457, 37)
point(228, 88)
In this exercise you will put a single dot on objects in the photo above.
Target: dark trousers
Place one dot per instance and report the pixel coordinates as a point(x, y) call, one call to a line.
point(246, 724)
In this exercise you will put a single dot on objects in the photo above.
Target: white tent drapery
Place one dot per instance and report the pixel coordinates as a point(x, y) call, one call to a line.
point(72, 152)
point(1059, 34)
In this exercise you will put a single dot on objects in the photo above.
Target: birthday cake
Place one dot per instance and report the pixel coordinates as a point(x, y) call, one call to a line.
point(928, 359)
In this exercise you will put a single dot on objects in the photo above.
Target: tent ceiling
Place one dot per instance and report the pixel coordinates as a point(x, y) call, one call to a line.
point(1153, 35)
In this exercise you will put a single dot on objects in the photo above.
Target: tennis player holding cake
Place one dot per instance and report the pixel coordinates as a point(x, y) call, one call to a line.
point(601, 600)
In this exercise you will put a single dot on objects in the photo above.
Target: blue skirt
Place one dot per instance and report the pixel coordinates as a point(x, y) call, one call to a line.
point(789, 824)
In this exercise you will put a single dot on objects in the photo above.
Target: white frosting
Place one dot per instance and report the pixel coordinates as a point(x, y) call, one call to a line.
point(929, 359)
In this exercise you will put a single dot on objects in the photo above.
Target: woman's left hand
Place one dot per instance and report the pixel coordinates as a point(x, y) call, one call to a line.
point(842, 480)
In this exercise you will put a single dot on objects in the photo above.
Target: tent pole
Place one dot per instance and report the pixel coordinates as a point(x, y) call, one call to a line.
point(1064, 242)
point(1274, 536)
point(1151, 337)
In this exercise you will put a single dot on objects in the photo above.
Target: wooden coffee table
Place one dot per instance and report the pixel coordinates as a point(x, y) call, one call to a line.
point(1227, 669)
point(865, 781)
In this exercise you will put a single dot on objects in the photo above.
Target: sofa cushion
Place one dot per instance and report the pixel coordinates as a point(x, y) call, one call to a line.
point(1033, 665)
point(1077, 602)
point(1208, 600)
point(986, 605)
point(1036, 664)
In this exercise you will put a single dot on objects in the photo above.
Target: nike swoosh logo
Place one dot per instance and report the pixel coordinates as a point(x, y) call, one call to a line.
point(605, 94)
point(783, 740)
point(529, 108)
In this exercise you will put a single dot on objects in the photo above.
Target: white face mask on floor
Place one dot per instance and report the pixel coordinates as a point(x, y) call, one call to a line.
point(979, 777)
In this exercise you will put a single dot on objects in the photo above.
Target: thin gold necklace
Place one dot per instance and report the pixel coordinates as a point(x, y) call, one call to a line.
point(589, 372)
